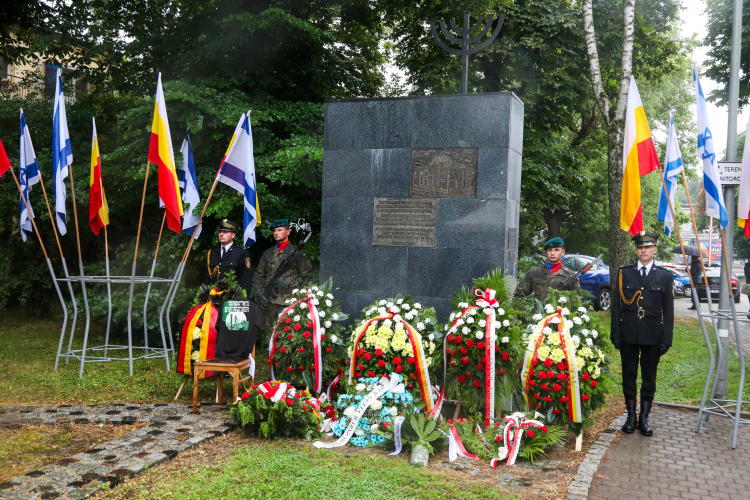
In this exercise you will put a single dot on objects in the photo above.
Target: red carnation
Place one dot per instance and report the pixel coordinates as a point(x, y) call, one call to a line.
point(561, 365)
point(290, 336)
point(453, 353)
point(301, 349)
point(505, 356)
point(561, 376)
point(361, 352)
point(297, 326)
point(385, 425)
point(199, 322)
point(368, 356)
point(399, 368)
point(381, 363)
point(397, 360)
point(468, 374)
point(548, 362)
point(371, 373)
point(555, 411)
point(245, 395)
point(550, 374)
point(361, 366)
point(458, 339)
point(545, 387)
point(254, 387)
point(548, 399)
point(297, 396)
point(304, 408)
point(290, 402)
point(557, 387)
point(411, 377)
point(306, 335)
point(378, 352)
point(499, 439)
point(450, 337)
point(480, 345)
point(410, 386)
point(564, 399)
point(538, 405)
point(585, 397)
point(530, 433)
point(477, 383)
point(480, 367)
point(289, 368)
point(300, 367)
point(461, 379)
point(537, 396)
point(358, 374)
point(497, 348)
point(544, 429)
point(283, 349)
point(502, 372)
point(329, 349)
point(593, 384)
point(585, 377)
point(464, 350)
point(465, 360)
point(531, 382)
point(309, 323)
point(542, 375)
point(469, 343)
point(289, 320)
point(286, 328)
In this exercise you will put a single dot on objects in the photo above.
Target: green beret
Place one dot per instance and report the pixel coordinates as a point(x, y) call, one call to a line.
point(554, 243)
point(228, 225)
point(280, 223)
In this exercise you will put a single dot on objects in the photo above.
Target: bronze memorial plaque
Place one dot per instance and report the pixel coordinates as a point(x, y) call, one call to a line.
point(405, 222)
point(444, 173)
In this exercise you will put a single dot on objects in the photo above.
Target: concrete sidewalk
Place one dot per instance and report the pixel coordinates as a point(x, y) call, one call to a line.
point(676, 463)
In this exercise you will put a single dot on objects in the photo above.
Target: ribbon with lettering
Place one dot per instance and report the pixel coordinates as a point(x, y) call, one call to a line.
point(203, 318)
point(455, 445)
point(397, 434)
point(512, 433)
point(420, 361)
point(317, 338)
point(395, 385)
point(487, 301)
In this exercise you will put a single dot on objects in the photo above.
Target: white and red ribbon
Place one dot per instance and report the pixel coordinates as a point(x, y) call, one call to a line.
point(512, 434)
point(456, 447)
point(277, 391)
point(488, 301)
point(332, 387)
point(435, 412)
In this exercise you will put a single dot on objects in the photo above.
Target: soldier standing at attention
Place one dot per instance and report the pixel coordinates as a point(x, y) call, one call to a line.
point(549, 275)
point(642, 323)
point(297, 273)
point(227, 256)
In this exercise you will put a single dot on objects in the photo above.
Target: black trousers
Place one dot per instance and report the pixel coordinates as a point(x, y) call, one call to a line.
point(649, 360)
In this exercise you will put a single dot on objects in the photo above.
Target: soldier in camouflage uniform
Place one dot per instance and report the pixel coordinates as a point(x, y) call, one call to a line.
point(549, 275)
point(297, 273)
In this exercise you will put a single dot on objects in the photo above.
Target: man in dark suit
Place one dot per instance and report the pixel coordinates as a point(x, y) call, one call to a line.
point(227, 256)
point(642, 324)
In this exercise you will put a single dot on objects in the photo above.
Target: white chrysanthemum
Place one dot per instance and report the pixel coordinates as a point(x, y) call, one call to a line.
point(463, 305)
point(295, 290)
point(373, 427)
point(322, 314)
point(318, 293)
point(581, 309)
point(328, 324)
point(568, 324)
point(382, 311)
point(335, 316)
point(557, 355)
point(487, 311)
point(382, 302)
point(562, 300)
point(501, 312)
point(576, 339)
point(196, 333)
point(547, 330)
point(506, 323)
point(594, 333)
point(431, 337)
point(309, 315)
point(536, 317)
point(420, 326)
point(397, 318)
point(589, 342)
point(389, 304)
point(585, 331)
point(322, 330)
point(406, 306)
point(470, 320)
point(329, 303)
point(387, 322)
point(482, 323)
point(473, 312)
point(360, 387)
point(445, 328)
point(543, 352)
point(349, 412)
point(505, 340)
point(417, 305)
point(315, 302)
point(565, 311)
point(329, 295)
point(296, 318)
point(597, 372)
point(465, 330)
point(399, 301)
point(303, 305)
point(555, 320)
point(358, 431)
point(479, 335)
point(585, 317)
point(334, 338)
point(549, 308)
point(577, 320)
point(393, 411)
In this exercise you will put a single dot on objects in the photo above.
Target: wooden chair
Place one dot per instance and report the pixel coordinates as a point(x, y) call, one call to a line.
point(229, 364)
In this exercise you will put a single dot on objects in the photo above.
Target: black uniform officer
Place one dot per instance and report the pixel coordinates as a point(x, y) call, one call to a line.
point(227, 256)
point(642, 324)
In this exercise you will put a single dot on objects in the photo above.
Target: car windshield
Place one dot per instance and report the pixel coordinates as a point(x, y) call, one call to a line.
point(678, 273)
point(570, 263)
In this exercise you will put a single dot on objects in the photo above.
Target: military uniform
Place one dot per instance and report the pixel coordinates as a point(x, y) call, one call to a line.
point(297, 273)
point(642, 326)
point(236, 259)
point(540, 279)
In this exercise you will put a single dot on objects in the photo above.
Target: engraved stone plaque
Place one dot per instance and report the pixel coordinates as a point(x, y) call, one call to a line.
point(444, 173)
point(405, 222)
point(512, 245)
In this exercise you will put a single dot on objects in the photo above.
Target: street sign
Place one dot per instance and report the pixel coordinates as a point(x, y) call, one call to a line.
point(730, 172)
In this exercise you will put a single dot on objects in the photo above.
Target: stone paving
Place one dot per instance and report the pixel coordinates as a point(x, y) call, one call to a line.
point(675, 463)
point(171, 429)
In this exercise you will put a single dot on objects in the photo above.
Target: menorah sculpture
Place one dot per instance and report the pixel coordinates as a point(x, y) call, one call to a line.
point(465, 40)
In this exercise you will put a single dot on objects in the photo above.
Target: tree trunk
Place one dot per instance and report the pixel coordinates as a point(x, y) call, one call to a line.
point(618, 239)
point(554, 220)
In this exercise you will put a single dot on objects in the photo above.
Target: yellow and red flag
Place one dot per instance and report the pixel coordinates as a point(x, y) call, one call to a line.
point(98, 210)
point(160, 153)
point(639, 158)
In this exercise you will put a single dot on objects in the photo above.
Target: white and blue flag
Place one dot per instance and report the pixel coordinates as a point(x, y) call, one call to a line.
point(29, 175)
point(188, 182)
point(238, 172)
point(672, 169)
point(62, 153)
point(711, 181)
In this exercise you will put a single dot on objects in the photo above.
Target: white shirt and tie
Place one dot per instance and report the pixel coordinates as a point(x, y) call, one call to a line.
point(644, 270)
point(225, 249)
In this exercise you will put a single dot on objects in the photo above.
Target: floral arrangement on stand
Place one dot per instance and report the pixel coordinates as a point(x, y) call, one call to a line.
point(306, 343)
point(396, 335)
point(275, 409)
point(563, 363)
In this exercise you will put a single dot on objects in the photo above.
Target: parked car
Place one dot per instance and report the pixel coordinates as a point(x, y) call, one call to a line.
point(681, 279)
point(713, 274)
point(595, 281)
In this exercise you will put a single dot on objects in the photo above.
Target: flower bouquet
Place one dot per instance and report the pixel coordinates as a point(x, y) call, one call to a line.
point(275, 409)
point(396, 335)
point(306, 341)
point(563, 363)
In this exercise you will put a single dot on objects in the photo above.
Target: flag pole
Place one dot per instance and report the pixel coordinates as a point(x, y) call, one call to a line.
point(132, 273)
point(106, 266)
point(80, 268)
point(148, 287)
point(64, 266)
point(49, 266)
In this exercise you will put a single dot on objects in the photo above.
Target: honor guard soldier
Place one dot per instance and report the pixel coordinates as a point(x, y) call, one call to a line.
point(642, 324)
point(552, 274)
point(227, 256)
point(291, 266)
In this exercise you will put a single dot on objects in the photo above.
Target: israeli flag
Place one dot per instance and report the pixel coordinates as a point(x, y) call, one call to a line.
point(711, 181)
point(238, 172)
point(29, 176)
point(188, 182)
point(62, 153)
point(673, 168)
